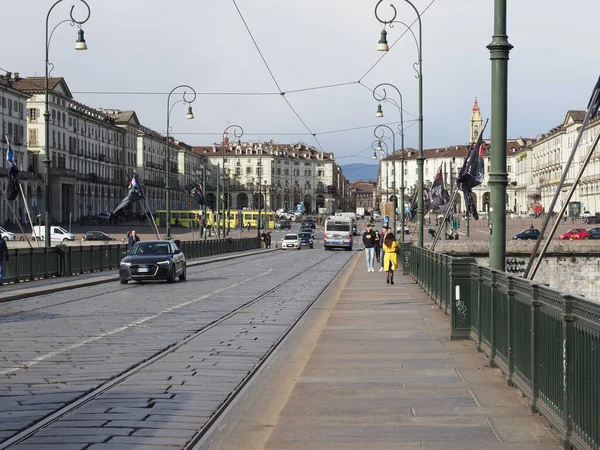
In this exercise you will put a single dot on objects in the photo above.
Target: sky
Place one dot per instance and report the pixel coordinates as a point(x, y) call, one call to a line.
point(139, 50)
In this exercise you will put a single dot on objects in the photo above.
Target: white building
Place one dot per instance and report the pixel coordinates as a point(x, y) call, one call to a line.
point(287, 174)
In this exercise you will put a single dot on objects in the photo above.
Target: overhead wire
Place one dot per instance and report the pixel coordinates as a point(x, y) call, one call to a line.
point(273, 76)
point(281, 92)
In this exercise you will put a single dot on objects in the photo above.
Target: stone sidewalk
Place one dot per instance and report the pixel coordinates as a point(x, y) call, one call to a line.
point(384, 375)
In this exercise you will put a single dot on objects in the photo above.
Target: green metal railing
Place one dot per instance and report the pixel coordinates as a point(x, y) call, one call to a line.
point(546, 343)
point(41, 262)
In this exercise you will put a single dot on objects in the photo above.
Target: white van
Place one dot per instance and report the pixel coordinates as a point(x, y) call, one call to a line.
point(56, 234)
point(338, 233)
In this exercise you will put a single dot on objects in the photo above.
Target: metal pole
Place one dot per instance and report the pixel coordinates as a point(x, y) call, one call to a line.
point(47, 161)
point(259, 196)
point(218, 210)
point(167, 169)
point(582, 168)
point(204, 221)
point(499, 52)
point(168, 152)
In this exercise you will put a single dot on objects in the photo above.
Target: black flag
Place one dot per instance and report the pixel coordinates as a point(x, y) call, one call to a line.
point(195, 191)
point(133, 195)
point(13, 174)
point(594, 104)
point(440, 199)
point(472, 174)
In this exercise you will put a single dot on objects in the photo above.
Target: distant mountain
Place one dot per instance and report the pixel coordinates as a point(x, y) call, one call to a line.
point(360, 171)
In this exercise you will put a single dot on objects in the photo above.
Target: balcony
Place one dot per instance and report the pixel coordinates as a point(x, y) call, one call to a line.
point(32, 143)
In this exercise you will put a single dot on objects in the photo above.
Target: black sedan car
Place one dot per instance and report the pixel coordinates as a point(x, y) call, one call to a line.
point(153, 260)
point(283, 224)
point(529, 233)
point(306, 239)
point(97, 236)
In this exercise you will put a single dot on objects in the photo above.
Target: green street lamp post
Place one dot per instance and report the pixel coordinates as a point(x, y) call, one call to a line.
point(379, 113)
point(380, 137)
point(190, 115)
point(238, 132)
point(499, 50)
point(377, 146)
point(383, 46)
point(80, 44)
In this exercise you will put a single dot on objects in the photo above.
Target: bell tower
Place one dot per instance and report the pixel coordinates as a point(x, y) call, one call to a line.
point(476, 122)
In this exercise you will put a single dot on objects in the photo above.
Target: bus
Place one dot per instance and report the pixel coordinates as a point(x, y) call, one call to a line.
point(179, 218)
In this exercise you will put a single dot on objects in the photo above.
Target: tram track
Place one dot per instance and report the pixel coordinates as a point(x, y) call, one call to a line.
point(206, 267)
point(122, 377)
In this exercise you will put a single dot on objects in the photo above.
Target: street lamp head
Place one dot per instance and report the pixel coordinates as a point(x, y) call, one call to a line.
point(382, 45)
point(80, 43)
point(379, 147)
point(379, 112)
point(190, 113)
point(374, 154)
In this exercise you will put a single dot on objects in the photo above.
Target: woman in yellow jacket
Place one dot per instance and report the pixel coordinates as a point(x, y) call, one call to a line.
point(390, 260)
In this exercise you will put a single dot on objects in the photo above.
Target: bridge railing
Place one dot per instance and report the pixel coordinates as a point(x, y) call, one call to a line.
point(547, 343)
point(36, 263)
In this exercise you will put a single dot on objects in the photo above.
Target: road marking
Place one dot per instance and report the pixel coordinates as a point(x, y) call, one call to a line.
point(135, 323)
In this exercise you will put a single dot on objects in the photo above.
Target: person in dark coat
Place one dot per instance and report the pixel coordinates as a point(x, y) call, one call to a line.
point(3, 258)
point(133, 238)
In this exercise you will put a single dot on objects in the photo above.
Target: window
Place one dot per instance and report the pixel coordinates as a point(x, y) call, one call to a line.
point(33, 137)
point(33, 114)
point(248, 170)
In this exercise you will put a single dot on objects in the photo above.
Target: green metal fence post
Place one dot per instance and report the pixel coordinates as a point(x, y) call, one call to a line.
point(568, 361)
point(535, 305)
point(509, 334)
point(493, 323)
point(460, 286)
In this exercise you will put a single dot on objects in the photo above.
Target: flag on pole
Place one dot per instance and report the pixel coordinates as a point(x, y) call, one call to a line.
point(472, 174)
point(439, 197)
point(133, 195)
point(13, 174)
point(594, 103)
point(195, 191)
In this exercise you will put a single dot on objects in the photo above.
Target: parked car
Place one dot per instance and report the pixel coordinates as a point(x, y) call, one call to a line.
point(594, 232)
point(7, 235)
point(529, 233)
point(97, 236)
point(290, 241)
point(283, 224)
point(153, 260)
point(593, 219)
point(306, 239)
point(575, 234)
point(585, 214)
point(104, 217)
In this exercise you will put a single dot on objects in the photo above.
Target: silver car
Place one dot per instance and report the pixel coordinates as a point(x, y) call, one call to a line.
point(290, 241)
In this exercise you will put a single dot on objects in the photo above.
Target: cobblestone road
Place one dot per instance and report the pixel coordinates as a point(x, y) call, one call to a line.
point(57, 348)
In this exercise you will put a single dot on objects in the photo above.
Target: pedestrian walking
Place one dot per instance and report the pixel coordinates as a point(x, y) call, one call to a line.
point(3, 258)
point(384, 231)
point(369, 243)
point(377, 246)
point(390, 246)
point(268, 239)
point(133, 238)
